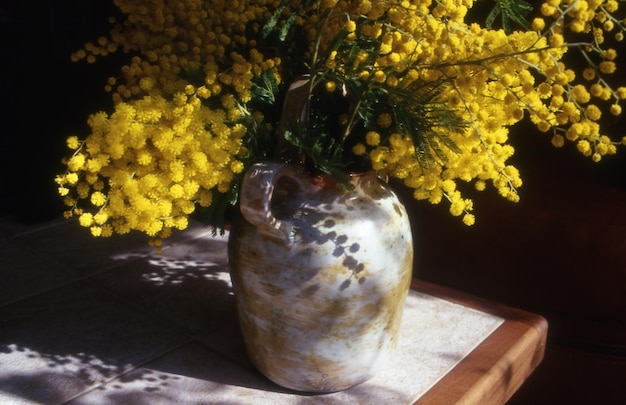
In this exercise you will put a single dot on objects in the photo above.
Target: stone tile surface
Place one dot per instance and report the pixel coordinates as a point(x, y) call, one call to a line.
point(57, 344)
point(25, 272)
point(81, 253)
point(72, 245)
point(10, 228)
point(109, 321)
point(435, 336)
point(188, 283)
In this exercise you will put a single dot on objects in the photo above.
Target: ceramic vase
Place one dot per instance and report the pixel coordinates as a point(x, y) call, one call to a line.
point(320, 273)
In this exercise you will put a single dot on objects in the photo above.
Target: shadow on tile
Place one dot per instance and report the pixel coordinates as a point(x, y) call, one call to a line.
point(188, 284)
point(25, 273)
point(194, 375)
point(69, 243)
point(58, 344)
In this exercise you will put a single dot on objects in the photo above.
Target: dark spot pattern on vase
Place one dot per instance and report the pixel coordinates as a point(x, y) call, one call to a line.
point(309, 291)
point(298, 287)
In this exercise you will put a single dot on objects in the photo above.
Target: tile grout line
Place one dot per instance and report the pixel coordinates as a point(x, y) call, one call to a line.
point(106, 381)
point(75, 273)
point(189, 340)
point(167, 322)
point(74, 277)
point(245, 366)
point(188, 335)
point(46, 258)
point(34, 228)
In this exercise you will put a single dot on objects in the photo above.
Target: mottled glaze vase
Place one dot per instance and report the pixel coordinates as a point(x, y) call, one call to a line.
point(320, 275)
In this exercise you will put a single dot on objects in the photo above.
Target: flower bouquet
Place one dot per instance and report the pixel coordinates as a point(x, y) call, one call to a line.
point(422, 91)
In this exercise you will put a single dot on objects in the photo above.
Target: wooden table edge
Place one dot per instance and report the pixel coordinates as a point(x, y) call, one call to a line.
point(493, 371)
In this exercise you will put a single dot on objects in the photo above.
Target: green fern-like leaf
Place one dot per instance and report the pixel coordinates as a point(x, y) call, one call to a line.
point(265, 88)
point(418, 113)
point(271, 23)
point(510, 11)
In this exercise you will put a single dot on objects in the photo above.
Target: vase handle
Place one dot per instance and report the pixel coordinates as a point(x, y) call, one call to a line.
point(255, 198)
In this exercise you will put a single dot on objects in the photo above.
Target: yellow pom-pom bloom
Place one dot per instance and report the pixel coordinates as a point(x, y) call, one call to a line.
point(359, 149)
point(384, 120)
point(616, 109)
point(538, 24)
point(421, 95)
point(372, 138)
point(593, 112)
point(73, 142)
point(469, 219)
point(98, 199)
point(86, 219)
point(350, 26)
point(608, 67)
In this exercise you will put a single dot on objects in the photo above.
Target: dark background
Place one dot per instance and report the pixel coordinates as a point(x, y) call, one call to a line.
point(560, 252)
point(44, 96)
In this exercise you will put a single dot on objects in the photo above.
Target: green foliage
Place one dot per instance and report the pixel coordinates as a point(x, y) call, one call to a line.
point(283, 30)
point(317, 128)
point(417, 113)
point(510, 11)
point(414, 105)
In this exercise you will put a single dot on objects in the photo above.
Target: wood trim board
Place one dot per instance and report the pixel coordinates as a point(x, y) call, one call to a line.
point(494, 370)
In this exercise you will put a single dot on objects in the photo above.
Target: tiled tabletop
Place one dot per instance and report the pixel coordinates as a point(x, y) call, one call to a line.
point(86, 320)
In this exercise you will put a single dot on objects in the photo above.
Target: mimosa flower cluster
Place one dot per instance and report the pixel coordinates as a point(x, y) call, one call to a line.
point(200, 98)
